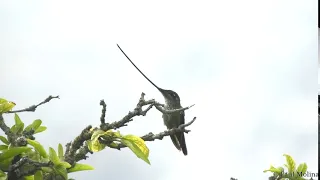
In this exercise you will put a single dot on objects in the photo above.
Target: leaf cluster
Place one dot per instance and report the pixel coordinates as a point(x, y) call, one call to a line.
point(292, 173)
point(25, 157)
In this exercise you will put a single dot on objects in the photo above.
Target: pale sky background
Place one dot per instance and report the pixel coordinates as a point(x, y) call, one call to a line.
point(249, 66)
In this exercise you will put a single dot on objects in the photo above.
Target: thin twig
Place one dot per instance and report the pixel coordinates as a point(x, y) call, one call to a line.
point(104, 109)
point(34, 107)
point(138, 111)
point(165, 111)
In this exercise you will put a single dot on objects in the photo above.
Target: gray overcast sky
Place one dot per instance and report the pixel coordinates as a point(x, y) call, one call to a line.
point(249, 66)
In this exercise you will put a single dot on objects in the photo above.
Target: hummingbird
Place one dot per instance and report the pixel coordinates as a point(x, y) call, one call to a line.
point(172, 120)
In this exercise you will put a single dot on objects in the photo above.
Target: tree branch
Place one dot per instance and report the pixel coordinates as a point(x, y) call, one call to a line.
point(76, 144)
point(104, 109)
point(77, 149)
point(151, 137)
point(4, 127)
point(34, 166)
point(164, 111)
point(126, 119)
point(81, 154)
point(34, 107)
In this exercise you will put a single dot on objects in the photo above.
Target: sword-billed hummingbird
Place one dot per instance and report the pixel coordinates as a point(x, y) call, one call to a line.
point(172, 120)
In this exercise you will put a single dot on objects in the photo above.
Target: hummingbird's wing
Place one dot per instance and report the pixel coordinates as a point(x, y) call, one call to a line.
point(180, 136)
point(171, 124)
point(175, 141)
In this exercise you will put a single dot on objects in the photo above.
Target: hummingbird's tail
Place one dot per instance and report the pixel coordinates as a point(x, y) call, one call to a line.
point(175, 141)
point(179, 142)
point(183, 145)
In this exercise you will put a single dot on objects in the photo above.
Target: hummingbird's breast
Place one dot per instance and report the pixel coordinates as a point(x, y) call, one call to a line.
point(171, 120)
point(170, 105)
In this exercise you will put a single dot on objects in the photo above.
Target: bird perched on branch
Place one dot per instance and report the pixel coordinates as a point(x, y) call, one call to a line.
point(171, 120)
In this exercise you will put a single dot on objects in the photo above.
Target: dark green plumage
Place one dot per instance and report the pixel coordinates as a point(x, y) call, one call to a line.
point(174, 120)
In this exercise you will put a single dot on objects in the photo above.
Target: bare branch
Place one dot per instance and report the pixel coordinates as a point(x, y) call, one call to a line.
point(188, 124)
point(164, 111)
point(4, 127)
point(104, 109)
point(76, 144)
point(152, 137)
point(136, 112)
point(81, 153)
point(12, 137)
point(34, 107)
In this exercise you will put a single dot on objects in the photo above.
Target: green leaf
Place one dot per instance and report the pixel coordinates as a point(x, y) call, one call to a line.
point(38, 147)
point(137, 146)
point(13, 152)
point(272, 169)
point(47, 169)
point(65, 164)
point(280, 170)
point(302, 168)
point(28, 177)
point(38, 175)
point(94, 145)
point(4, 165)
point(60, 152)
point(5, 105)
point(2, 174)
point(19, 125)
point(59, 169)
point(2, 101)
point(113, 145)
point(291, 165)
point(40, 129)
point(14, 129)
point(4, 140)
point(80, 167)
point(3, 147)
point(17, 120)
point(53, 156)
point(35, 125)
point(34, 155)
point(96, 134)
point(117, 134)
point(111, 135)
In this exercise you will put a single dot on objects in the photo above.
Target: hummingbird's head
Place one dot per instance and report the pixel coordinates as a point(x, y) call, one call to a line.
point(171, 97)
